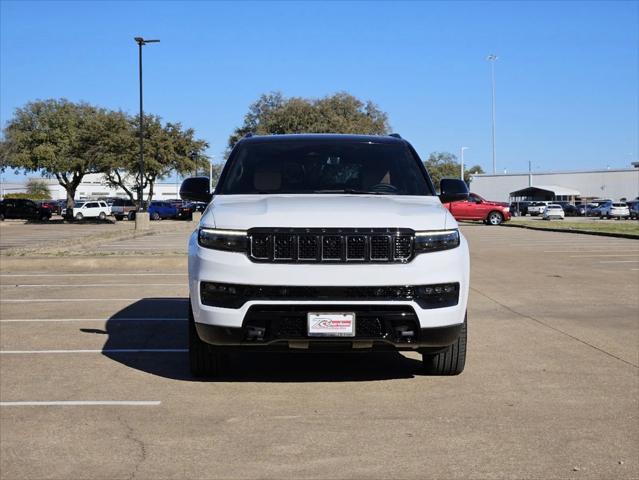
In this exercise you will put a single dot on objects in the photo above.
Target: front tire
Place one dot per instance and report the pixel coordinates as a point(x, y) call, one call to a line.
point(79, 217)
point(204, 360)
point(155, 216)
point(495, 218)
point(450, 361)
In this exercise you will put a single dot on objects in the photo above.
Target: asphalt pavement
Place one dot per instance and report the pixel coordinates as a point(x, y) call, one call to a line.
point(94, 379)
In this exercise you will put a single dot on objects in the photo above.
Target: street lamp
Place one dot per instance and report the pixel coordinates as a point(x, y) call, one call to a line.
point(141, 42)
point(492, 58)
point(462, 162)
point(194, 157)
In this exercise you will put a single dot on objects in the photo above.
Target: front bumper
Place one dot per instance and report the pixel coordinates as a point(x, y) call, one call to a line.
point(433, 326)
point(426, 338)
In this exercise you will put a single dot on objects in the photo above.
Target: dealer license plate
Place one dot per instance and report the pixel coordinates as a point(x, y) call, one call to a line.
point(331, 324)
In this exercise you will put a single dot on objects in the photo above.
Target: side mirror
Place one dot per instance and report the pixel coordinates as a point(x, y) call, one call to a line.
point(196, 189)
point(452, 190)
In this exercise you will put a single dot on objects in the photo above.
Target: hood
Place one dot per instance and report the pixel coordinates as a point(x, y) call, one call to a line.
point(327, 210)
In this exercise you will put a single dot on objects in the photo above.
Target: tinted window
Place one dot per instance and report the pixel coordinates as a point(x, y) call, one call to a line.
point(91, 205)
point(324, 167)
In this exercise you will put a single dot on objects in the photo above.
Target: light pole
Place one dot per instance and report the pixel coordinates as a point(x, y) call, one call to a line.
point(462, 162)
point(194, 157)
point(492, 58)
point(141, 42)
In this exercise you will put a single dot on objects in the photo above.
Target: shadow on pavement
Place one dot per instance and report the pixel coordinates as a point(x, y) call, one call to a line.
point(124, 332)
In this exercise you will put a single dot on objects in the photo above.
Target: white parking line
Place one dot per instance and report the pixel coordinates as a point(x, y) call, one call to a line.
point(91, 274)
point(75, 403)
point(23, 285)
point(62, 320)
point(59, 300)
point(104, 350)
point(603, 250)
point(606, 255)
point(619, 261)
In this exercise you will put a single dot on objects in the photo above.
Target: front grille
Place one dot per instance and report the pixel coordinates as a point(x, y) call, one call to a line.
point(371, 321)
point(364, 245)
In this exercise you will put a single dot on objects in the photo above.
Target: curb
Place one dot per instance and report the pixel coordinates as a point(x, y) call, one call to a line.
point(584, 232)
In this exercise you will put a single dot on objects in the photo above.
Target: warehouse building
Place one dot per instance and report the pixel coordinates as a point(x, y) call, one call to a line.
point(571, 186)
point(93, 186)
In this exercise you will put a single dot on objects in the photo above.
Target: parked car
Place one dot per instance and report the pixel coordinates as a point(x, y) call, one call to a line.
point(537, 208)
point(553, 210)
point(478, 208)
point(185, 211)
point(272, 265)
point(123, 208)
point(600, 208)
point(588, 207)
point(162, 209)
point(519, 208)
point(614, 210)
point(23, 209)
point(633, 209)
point(91, 209)
point(109, 200)
point(570, 210)
point(51, 205)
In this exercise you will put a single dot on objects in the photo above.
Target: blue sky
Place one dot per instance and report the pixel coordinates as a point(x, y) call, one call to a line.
point(567, 74)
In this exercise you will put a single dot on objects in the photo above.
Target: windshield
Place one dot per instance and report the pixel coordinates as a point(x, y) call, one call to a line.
point(350, 167)
point(79, 204)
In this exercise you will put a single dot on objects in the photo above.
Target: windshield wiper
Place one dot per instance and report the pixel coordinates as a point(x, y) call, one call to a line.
point(351, 191)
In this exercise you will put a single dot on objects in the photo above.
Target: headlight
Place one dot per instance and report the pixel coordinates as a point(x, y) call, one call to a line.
point(229, 240)
point(507, 209)
point(436, 240)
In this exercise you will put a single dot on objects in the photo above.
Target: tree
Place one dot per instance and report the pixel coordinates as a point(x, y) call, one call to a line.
point(38, 188)
point(472, 170)
point(168, 148)
point(217, 171)
point(59, 139)
point(445, 165)
point(339, 113)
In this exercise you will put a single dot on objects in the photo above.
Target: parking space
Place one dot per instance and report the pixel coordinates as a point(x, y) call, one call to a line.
point(94, 377)
point(20, 234)
point(95, 237)
point(162, 243)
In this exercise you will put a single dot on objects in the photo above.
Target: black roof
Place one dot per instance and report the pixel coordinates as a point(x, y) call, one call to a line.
point(321, 137)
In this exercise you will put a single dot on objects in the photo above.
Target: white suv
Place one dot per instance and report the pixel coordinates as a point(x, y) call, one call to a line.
point(91, 209)
point(327, 242)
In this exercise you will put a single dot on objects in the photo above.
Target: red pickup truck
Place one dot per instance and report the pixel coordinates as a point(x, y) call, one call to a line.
point(478, 208)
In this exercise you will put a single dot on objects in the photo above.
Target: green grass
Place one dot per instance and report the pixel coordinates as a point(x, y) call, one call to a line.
point(630, 227)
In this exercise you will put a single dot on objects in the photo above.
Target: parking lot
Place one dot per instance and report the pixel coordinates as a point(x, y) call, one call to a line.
point(94, 379)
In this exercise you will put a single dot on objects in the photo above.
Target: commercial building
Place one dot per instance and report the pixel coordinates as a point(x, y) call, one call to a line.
point(572, 186)
point(92, 186)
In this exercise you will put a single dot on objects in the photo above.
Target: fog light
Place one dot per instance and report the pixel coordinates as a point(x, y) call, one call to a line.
point(438, 296)
point(255, 333)
point(221, 295)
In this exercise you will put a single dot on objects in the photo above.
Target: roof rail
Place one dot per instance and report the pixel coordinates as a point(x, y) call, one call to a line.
point(396, 135)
